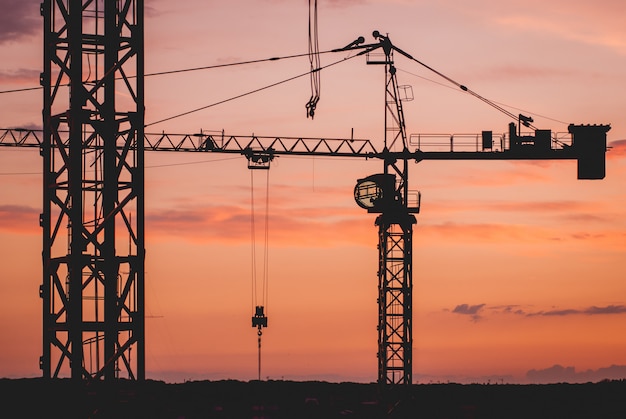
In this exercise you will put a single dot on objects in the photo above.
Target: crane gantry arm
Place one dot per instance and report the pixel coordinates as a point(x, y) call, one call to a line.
point(586, 143)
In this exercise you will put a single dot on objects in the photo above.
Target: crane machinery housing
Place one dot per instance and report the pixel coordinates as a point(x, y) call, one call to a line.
point(93, 287)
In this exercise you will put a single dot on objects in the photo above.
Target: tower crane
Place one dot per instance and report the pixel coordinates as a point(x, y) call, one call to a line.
point(93, 289)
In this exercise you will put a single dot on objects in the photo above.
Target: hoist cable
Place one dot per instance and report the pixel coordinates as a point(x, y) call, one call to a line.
point(314, 60)
point(260, 313)
point(266, 244)
point(253, 241)
point(259, 287)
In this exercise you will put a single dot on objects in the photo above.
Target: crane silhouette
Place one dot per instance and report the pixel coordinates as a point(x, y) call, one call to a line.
point(93, 289)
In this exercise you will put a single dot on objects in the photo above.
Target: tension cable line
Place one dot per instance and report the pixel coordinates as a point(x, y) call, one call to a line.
point(210, 67)
point(251, 91)
point(499, 103)
point(184, 70)
point(24, 89)
point(525, 120)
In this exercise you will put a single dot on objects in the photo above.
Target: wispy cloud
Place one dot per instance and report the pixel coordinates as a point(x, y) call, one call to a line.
point(561, 209)
point(562, 206)
point(20, 76)
point(509, 309)
point(538, 206)
point(596, 23)
point(591, 35)
point(151, 11)
point(617, 149)
point(522, 172)
point(550, 215)
point(232, 224)
point(326, 3)
point(343, 3)
point(608, 238)
point(469, 310)
point(560, 374)
point(590, 311)
point(19, 219)
point(483, 232)
point(481, 311)
point(519, 72)
point(19, 18)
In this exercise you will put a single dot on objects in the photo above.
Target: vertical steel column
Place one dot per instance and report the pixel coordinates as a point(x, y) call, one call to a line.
point(109, 130)
point(45, 80)
point(395, 231)
point(395, 308)
point(93, 276)
point(75, 261)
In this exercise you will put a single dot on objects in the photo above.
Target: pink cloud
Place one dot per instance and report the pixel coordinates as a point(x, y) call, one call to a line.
point(469, 310)
point(526, 72)
point(597, 23)
point(617, 149)
point(563, 210)
point(589, 311)
point(21, 76)
point(560, 374)
point(544, 206)
point(593, 23)
point(522, 172)
point(232, 224)
point(458, 232)
point(478, 311)
point(19, 219)
point(344, 3)
point(517, 233)
point(608, 238)
point(19, 18)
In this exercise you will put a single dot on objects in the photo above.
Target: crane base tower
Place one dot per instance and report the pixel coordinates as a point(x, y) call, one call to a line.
point(93, 191)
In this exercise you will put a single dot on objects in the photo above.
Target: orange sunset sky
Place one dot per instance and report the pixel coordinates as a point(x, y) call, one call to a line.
point(518, 266)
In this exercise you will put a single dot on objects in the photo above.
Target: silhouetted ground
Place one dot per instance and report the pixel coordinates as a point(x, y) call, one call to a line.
point(39, 398)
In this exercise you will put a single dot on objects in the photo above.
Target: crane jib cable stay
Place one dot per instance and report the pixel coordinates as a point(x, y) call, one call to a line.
point(259, 298)
point(314, 58)
point(182, 70)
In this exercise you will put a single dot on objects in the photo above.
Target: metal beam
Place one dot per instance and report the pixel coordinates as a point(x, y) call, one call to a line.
point(302, 146)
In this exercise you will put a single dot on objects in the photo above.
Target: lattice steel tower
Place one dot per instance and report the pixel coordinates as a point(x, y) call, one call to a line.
point(388, 195)
point(93, 191)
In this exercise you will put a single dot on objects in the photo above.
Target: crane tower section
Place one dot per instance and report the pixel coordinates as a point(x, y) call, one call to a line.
point(395, 231)
point(93, 184)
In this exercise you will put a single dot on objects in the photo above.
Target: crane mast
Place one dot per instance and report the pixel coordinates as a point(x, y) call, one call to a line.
point(93, 164)
point(93, 145)
point(395, 233)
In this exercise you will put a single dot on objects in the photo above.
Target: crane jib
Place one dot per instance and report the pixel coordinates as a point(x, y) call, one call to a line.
point(585, 143)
